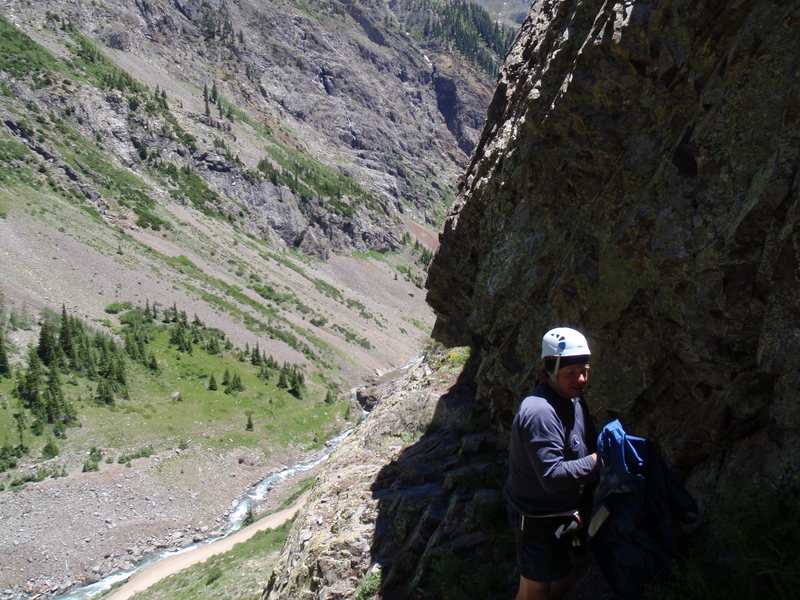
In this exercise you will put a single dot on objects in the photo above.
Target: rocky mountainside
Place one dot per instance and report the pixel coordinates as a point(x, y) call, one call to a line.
point(636, 178)
point(273, 168)
point(294, 88)
point(143, 132)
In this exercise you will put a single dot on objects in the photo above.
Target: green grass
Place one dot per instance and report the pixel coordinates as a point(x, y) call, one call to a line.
point(747, 548)
point(235, 575)
point(310, 178)
point(22, 57)
point(174, 405)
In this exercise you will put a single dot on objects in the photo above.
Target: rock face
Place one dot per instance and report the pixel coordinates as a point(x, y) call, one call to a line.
point(638, 178)
point(396, 502)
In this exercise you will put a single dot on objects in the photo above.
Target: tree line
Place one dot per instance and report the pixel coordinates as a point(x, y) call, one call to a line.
point(68, 347)
point(470, 28)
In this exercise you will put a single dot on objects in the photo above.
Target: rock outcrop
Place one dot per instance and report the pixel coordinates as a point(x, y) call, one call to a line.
point(396, 502)
point(638, 178)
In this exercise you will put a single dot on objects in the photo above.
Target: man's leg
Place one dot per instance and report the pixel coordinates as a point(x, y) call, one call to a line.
point(544, 590)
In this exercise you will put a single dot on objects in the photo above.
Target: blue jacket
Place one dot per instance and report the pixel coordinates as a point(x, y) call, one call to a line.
point(646, 508)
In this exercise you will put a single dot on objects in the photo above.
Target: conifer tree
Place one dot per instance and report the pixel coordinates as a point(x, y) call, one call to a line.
point(29, 387)
point(212, 347)
point(249, 426)
point(283, 380)
point(19, 417)
point(50, 449)
point(53, 396)
point(236, 383)
point(65, 335)
point(47, 348)
point(87, 364)
point(119, 373)
point(132, 347)
point(104, 392)
point(154, 310)
point(297, 383)
point(5, 366)
point(212, 383)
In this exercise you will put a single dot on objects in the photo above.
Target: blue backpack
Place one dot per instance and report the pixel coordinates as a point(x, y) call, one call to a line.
point(640, 509)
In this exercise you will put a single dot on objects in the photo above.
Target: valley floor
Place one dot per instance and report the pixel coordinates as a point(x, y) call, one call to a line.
point(77, 529)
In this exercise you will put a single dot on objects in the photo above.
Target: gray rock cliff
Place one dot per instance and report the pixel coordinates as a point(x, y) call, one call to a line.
point(637, 178)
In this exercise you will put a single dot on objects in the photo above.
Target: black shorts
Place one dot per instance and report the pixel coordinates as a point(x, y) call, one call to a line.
point(542, 557)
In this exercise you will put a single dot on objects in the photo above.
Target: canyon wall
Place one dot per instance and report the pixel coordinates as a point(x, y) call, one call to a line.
point(637, 178)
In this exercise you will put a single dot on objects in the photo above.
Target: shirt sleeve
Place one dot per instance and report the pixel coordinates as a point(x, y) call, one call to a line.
point(544, 445)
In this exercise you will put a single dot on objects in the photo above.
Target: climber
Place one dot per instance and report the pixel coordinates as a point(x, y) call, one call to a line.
point(552, 468)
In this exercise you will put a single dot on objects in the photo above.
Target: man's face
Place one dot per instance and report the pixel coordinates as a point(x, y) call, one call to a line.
point(572, 380)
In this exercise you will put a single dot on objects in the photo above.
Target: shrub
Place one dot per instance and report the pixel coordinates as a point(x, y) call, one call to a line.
point(214, 573)
point(50, 449)
point(118, 307)
point(747, 549)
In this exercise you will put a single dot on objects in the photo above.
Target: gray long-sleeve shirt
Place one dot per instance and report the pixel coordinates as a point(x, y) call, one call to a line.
point(549, 463)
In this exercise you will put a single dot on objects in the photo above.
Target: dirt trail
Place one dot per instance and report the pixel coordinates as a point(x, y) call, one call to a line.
point(151, 574)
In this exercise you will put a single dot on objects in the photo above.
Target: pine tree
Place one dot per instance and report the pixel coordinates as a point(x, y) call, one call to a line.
point(212, 383)
point(65, 339)
point(104, 392)
point(237, 384)
point(50, 449)
point(29, 387)
point(212, 347)
point(226, 377)
point(297, 383)
point(249, 426)
point(5, 366)
point(19, 417)
point(255, 357)
point(119, 373)
point(53, 396)
point(283, 380)
point(47, 348)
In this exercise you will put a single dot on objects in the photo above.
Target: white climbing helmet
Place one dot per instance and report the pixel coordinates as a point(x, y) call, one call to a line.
point(564, 341)
point(567, 343)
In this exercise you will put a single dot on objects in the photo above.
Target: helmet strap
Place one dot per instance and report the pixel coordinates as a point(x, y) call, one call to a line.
point(554, 372)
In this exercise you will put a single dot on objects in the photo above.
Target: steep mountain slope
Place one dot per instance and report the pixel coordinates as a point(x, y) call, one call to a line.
point(274, 168)
point(636, 178)
point(318, 128)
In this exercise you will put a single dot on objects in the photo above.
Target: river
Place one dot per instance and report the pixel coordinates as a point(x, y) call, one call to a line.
point(175, 560)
